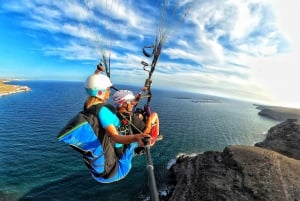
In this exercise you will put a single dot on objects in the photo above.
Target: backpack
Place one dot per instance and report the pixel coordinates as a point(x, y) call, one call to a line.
point(85, 134)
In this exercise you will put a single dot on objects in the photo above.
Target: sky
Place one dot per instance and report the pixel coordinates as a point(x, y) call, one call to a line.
point(242, 49)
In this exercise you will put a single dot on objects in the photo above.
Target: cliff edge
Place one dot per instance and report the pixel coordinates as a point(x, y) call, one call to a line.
point(278, 113)
point(270, 170)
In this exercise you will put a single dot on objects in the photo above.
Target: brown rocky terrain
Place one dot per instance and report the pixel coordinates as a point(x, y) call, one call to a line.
point(278, 113)
point(284, 138)
point(270, 170)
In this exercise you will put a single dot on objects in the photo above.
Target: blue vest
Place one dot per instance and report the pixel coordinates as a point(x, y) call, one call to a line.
point(85, 134)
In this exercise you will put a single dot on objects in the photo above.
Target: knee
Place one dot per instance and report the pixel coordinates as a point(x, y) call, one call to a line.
point(154, 115)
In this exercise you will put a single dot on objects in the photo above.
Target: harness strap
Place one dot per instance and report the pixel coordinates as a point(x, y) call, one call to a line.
point(156, 53)
point(130, 122)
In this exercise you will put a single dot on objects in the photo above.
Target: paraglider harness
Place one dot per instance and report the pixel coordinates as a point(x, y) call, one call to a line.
point(126, 120)
point(95, 146)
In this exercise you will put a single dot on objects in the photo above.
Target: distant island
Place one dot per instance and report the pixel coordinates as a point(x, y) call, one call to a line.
point(8, 89)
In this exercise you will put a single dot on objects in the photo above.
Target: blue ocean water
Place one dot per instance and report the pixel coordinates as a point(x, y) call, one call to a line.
point(35, 166)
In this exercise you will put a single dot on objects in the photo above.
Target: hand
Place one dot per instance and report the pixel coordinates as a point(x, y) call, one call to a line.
point(140, 138)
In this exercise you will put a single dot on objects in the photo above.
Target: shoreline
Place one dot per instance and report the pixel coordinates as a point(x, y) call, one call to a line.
point(242, 171)
point(278, 113)
point(9, 89)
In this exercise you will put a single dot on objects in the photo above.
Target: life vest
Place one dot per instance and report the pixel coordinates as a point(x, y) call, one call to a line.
point(85, 134)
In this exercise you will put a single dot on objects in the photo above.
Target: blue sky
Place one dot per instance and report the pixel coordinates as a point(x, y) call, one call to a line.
point(245, 49)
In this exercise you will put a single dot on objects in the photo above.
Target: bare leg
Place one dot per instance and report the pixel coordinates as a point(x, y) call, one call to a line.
point(152, 120)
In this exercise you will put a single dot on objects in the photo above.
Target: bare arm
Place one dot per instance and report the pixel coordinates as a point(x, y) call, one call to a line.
point(125, 139)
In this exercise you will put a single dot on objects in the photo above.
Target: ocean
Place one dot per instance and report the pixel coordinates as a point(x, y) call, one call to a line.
point(34, 166)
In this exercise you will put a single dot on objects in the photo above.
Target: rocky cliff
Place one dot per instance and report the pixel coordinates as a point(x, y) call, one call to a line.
point(268, 171)
point(284, 138)
point(278, 113)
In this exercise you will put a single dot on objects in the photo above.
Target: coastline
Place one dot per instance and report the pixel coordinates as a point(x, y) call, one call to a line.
point(278, 113)
point(9, 89)
point(269, 170)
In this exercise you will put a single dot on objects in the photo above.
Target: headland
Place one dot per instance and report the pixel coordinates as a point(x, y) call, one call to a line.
point(269, 170)
point(8, 89)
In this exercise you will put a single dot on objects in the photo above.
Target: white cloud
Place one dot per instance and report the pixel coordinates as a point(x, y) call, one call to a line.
point(256, 42)
point(279, 74)
point(243, 68)
point(239, 48)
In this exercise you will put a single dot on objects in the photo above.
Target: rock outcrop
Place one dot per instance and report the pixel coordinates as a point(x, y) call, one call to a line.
point(268, 172)
point(238, 173)
point(278, 113)
point(284, 138)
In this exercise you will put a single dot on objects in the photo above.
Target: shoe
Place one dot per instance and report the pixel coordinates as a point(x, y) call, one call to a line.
point(159, 137)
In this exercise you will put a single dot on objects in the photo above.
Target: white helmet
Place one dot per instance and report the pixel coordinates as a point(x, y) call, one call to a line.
point(122, 96)
point(96, 84)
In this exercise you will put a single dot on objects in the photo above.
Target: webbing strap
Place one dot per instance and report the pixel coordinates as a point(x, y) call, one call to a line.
point(130, 122)
point(156, 52)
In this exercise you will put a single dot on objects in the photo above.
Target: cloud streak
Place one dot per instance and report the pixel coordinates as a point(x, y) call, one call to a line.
point(233, 48)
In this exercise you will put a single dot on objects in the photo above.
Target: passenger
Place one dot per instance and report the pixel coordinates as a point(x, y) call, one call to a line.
point(135, 121)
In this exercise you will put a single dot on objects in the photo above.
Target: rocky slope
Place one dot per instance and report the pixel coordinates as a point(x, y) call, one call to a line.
point(278, 113)
point(284, 138)
point(268, 171)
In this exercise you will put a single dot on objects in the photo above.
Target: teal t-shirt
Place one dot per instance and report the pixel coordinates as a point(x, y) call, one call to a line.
point(108, 118)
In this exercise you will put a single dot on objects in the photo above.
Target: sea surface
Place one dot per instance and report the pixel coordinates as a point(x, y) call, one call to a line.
point(35, 166)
